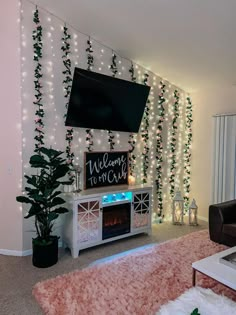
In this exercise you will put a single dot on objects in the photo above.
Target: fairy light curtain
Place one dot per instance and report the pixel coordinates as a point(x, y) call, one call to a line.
point(54, 99)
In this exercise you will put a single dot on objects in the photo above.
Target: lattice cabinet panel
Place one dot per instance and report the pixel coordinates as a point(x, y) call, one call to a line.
point(141, 210)
point(88, 221)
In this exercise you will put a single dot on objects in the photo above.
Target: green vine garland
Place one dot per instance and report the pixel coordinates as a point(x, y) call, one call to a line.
point(90, 59)
point(39, 113)
point(114, 71)
point(67, 83)
point(111, 140)
point(90, 63)
point(159, 148)
point(131, 141)
point(173, 143)
point(132, 74)
point(113, 66)
point(187, 152)
point(89, 140)
point(145, 135)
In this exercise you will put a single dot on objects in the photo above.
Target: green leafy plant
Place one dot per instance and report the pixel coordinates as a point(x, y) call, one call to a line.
point(195, 312)
point(43, 193)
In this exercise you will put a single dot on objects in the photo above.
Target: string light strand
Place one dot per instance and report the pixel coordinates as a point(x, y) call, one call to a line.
point(67, 84)
point(132, 140)
point(173, 142)
point(145, 135)
point(39, 113)
point(114, 71)
point(187, 152)
point(159, 148)
point(90, 63)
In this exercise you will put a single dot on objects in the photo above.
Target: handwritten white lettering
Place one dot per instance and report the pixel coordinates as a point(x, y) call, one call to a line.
point(105, 170)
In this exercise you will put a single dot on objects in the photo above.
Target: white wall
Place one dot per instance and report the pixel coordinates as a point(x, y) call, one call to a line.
point(10, 135)
point(206, 103)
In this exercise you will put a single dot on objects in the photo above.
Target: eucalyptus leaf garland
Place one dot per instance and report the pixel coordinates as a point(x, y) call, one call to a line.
point(90, 63)
point(159, 148)
point(132, 141)
point(39, 113)
point(187, 152)
point(145, 135)
point(67, 84)
point(173, 143)
point(114, 71)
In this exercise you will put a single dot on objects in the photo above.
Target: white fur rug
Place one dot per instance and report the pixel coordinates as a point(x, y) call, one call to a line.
point(207, 302)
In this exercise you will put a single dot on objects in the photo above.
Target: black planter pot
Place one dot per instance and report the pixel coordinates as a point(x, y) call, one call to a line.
point(45, 255)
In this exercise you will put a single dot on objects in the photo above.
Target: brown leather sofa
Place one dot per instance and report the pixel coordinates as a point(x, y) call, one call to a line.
point(222, 223)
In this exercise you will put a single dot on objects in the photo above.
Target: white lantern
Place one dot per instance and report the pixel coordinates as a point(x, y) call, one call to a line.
point(178, 209)
point(193, 213)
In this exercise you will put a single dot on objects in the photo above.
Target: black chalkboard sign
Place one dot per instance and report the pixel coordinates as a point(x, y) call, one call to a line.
point(105, 169)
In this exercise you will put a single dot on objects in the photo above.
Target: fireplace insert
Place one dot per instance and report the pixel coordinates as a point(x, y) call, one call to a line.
point(116, 220)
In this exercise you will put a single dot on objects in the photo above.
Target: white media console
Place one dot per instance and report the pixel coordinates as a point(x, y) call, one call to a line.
point(102, 215)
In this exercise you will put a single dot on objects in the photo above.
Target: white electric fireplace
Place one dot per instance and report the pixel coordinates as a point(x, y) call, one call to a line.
point(106, 214)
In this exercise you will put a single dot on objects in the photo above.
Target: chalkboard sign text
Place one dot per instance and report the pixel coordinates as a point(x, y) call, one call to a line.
point(105, 169)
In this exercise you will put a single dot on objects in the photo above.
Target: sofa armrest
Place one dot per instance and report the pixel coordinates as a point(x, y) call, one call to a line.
point(215, 223)
point(219, 214)
point(228, 211)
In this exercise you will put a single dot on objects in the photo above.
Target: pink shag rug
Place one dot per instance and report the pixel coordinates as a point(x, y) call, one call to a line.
point(138, 283)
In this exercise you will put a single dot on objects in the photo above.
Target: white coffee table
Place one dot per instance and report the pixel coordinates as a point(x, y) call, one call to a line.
point(213, 268)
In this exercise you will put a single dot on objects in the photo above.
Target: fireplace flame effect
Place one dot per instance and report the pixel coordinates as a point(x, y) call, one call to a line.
point(113, 221)
point(116, 220)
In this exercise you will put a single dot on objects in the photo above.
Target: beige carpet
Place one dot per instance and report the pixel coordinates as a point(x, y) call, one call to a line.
point(18, 276)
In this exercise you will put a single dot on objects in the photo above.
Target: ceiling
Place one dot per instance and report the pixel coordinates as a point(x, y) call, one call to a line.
point(192, 43)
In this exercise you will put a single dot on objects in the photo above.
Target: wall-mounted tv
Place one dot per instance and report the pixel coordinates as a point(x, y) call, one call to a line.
point(98, 101)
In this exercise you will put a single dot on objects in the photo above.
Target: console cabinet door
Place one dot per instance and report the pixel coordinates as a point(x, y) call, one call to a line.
point(89, 220)
point(141, 210)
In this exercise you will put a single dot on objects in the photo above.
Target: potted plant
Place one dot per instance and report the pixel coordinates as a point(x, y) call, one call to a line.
point(43, 196)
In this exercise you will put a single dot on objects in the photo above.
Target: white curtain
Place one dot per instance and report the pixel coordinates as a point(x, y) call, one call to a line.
point(224, 159)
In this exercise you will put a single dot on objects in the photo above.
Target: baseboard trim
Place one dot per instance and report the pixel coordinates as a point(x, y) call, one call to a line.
point(202, 218)
point(8, 252)
point(27, 252)
point(20, 253)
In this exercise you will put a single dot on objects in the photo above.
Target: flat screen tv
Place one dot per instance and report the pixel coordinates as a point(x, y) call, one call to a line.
point(99, 101)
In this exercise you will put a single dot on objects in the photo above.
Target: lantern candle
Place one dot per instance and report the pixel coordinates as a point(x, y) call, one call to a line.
point(131, 180)
point(178, 209)
point(77, 170)
point(193, 213)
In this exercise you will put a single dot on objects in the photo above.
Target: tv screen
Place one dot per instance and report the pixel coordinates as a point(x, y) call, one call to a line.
point(99, 101)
